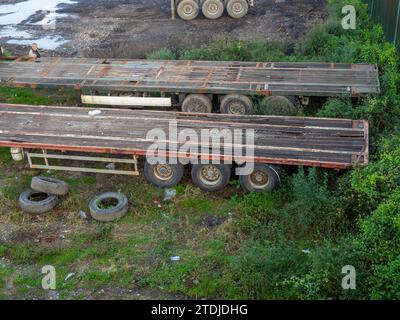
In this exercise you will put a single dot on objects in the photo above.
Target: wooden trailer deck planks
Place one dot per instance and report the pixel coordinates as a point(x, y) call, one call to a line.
point(250, 78)
point(331, 143)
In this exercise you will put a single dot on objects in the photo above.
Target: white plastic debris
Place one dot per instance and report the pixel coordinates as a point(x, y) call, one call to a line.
point(94, 112)
point(175, 259)
point(306, 251)
point(83, 214)
point(110, 166)
point(169, 194)
point(69, 276)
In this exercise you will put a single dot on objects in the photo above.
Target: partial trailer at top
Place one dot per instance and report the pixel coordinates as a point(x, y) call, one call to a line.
point(211, 9)
point(193, 86)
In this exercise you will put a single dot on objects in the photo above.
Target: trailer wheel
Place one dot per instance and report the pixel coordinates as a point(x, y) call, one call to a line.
point(163, 175)
point(188, 9)
point(213, 9)
point(108, 206)
point(211, 177)
point(36, 202)
point(237, 9)
point(281, 105)
point(236, 104)
point(263, 178)
point(197, 103)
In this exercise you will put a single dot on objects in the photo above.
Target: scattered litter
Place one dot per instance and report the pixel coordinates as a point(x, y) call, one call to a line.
point(169, 194)
point(306, 251)
point(94, 112)
point(62, 237)
point(110, 166)
point(69, 276)
point(176, 258)
point(83, 214)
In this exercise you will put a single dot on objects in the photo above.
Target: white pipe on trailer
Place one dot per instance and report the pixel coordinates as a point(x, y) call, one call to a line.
point(126, 101)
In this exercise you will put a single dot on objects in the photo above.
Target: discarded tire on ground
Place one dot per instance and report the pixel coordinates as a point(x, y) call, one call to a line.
point(211, 177)
point(37, 202)
point(264, 178)
point(108, 206)
point(163, 175)
point(236, 104)
point(50, 185)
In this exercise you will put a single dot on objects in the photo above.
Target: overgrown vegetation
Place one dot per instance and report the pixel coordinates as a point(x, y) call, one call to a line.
point(291, 244)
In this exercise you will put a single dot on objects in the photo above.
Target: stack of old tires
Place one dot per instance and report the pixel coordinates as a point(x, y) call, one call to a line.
point(45, 192)
point(43, 195)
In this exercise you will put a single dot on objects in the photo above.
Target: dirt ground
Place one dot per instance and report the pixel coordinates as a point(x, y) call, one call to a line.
point(133, 28)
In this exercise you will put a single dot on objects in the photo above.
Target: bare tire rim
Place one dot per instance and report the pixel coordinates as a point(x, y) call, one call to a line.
point(163, 172)
point(238, 8)
point(188, 9)
point(236, 107)
point(210, 175)
point(259, 179)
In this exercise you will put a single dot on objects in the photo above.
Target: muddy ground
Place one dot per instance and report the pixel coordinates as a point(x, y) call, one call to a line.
point(132, 28)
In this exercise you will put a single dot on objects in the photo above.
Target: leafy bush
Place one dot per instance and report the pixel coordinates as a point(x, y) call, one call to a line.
point(162, 54)
point(221, 49)
point(337, 108)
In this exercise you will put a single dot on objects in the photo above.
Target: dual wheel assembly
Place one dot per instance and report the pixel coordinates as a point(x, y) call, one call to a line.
point(229, 104)
point(213, 177)
point(212, 9)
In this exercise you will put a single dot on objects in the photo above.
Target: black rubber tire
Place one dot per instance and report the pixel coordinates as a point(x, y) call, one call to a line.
point(217, 4)
point(231, 8)
point(221, 183)
point(37, 207)
point(111, 214)
point(245, 102)
point(272, 172)
point(197, 103)
point(50, 185)
point(187, 4)
point(151, 175)
point(283, 105)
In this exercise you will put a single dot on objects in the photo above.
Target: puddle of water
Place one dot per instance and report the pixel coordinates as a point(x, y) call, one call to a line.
point(12, 14)
point(48, 42)
point(12, 32)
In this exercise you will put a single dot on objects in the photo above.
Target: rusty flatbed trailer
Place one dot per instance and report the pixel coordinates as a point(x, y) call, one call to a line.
point(296, 141)
point(196, 86)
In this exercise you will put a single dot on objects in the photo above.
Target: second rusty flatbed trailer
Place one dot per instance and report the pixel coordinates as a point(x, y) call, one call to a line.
point(196, 86)
point(124, 136)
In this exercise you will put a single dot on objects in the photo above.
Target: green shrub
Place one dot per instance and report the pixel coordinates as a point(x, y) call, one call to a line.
point(337, 108)
point(162, 54)
point(381, 178)
point(221, 49)
point(262, 269)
